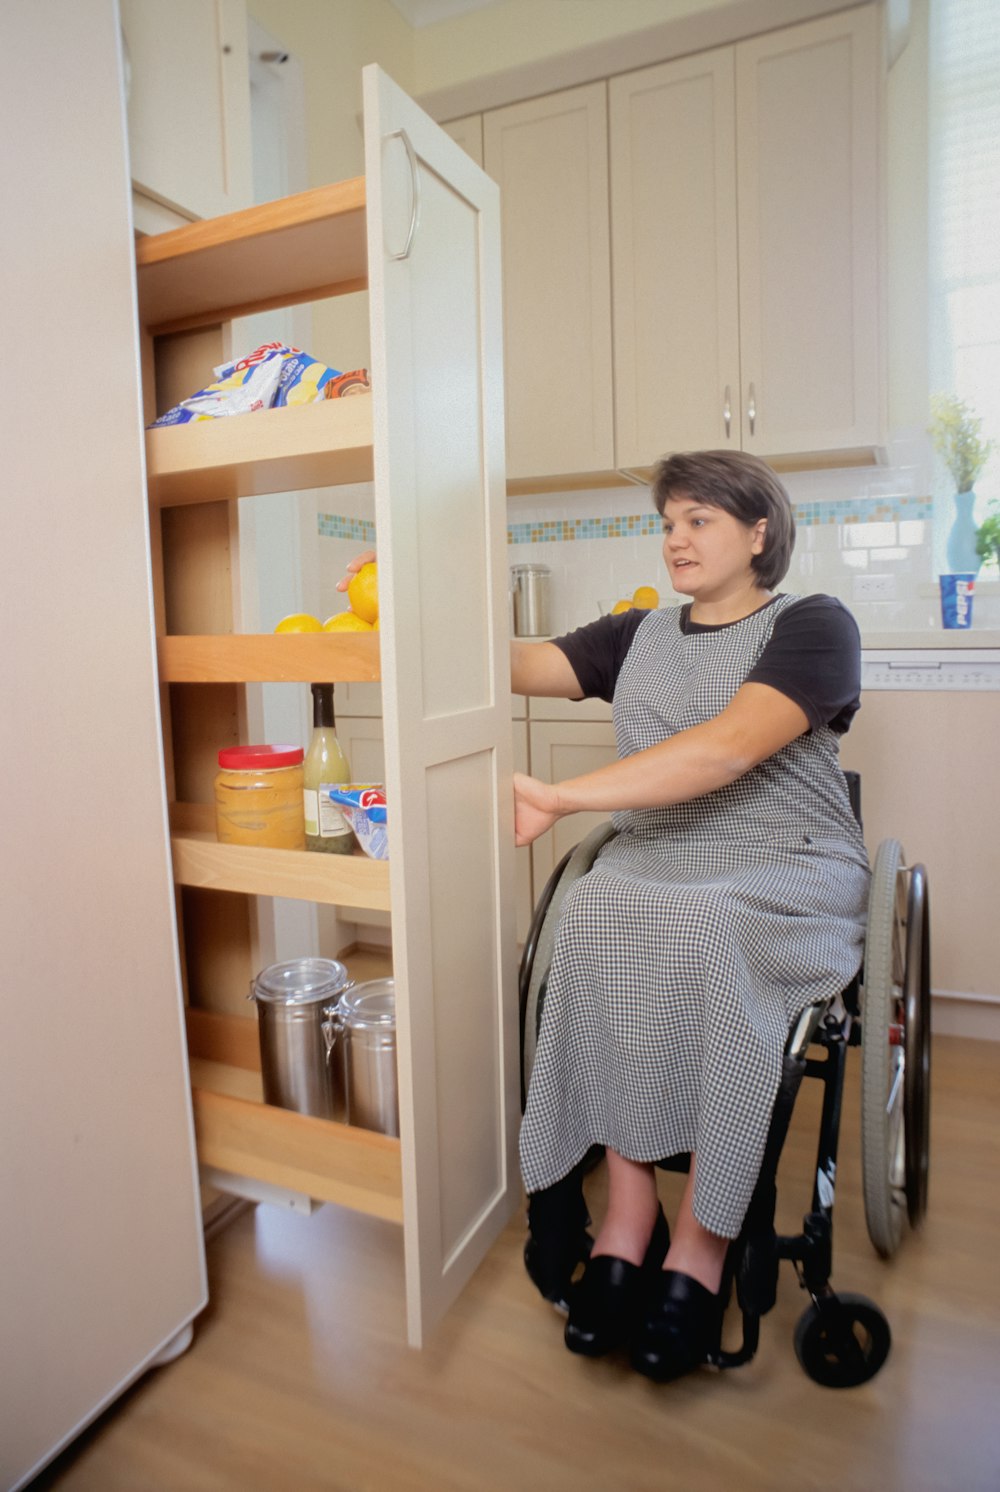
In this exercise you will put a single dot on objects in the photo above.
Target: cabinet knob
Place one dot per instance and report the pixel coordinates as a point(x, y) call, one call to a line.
point(751, 407)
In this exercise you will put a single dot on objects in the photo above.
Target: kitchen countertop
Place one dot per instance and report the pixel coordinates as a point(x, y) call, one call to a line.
point(931, 638)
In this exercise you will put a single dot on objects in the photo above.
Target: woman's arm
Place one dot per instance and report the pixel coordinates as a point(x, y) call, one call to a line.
point(756, 723)
point(538, 668)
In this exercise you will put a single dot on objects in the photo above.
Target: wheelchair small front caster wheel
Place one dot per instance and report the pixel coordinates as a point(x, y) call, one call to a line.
point(842, 1341)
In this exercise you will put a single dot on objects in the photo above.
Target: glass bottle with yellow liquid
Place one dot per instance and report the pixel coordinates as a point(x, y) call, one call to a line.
point(325, 766)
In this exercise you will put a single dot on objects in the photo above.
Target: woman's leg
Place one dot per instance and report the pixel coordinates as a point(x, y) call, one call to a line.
point(632, 1210)
point(695, 1251)
point(607, 1302)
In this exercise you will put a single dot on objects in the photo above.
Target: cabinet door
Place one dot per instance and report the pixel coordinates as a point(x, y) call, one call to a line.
point(433, 223)
point(363, 743)
point(189, 103)
point(560, 750)
point(673, 223)
point(808, 150)
point(549, 158)
point(468, 133)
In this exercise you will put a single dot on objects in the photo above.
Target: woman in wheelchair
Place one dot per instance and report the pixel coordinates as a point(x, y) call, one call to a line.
point(732, 896)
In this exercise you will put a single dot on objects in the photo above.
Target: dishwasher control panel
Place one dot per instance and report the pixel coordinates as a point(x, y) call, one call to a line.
point(931, 668)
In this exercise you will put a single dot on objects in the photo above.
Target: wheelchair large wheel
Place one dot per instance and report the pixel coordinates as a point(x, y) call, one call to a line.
point(895, 1049)
point(536, 958)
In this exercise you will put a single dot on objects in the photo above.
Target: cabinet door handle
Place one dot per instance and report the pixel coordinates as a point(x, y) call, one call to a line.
point(727, 410)
point(751, 407)
point(411, 156)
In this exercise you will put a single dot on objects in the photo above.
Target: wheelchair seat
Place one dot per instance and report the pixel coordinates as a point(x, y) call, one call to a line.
point(842, 1339)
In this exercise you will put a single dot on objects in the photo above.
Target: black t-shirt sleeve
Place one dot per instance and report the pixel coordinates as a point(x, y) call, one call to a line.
point(597, 651)
point(814, 657)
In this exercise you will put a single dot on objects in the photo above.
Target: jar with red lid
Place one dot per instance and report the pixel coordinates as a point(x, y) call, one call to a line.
point(258, 797)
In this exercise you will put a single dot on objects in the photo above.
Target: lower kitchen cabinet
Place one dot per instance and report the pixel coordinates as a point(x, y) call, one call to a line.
point(561, 749)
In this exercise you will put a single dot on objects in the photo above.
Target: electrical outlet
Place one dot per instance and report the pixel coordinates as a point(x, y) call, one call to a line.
point(873, 588)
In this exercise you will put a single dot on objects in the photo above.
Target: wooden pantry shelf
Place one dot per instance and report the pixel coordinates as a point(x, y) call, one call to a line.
point(269, 658)
point(300, 248)
point(273, 450)
point(336, 880)
point(237, 1132)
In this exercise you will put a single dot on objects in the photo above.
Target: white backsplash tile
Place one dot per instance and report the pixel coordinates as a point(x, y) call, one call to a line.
point(601, 544)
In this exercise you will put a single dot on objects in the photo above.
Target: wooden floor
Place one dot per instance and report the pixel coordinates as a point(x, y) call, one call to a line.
point(299, 1377)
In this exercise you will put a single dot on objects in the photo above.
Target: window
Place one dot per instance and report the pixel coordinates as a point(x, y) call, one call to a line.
point(965, 213)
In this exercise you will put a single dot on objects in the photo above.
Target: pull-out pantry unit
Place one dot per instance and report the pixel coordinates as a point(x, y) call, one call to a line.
point(420, 231)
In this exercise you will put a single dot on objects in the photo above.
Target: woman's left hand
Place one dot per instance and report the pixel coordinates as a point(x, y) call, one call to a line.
point(536, 808)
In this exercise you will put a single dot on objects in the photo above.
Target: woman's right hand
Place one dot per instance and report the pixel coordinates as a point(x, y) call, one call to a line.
point(353, 566)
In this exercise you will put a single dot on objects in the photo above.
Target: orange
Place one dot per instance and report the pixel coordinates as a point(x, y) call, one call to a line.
point(621, 606)
point(362, 592)
point(299, 621)
point(346, 621)
point(646, 598)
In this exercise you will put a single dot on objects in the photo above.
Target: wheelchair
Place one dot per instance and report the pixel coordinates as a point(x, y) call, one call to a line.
point(842, 1339)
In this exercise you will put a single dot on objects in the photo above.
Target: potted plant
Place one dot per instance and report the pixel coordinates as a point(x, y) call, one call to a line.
point(988, 535)
point(955, 432)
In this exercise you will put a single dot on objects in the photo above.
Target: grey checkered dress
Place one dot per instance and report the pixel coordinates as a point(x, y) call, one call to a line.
point(704, 929)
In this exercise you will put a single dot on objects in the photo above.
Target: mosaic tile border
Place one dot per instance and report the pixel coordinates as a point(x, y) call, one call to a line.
point(336, 526)
point(642, 525)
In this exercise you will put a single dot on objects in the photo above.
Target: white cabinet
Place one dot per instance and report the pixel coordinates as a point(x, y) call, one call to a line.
point(676, 299)
point(189, 103)
point(745, 229)
point(808, 147)
point(561, 749)
point(468, 133)
point(549, 158)
point(423, 227)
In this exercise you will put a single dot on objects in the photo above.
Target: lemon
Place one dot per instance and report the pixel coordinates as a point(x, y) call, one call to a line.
point(299, 621)
point(646, 598)
point(362, 592)
point(346, 621)
point(621, 606)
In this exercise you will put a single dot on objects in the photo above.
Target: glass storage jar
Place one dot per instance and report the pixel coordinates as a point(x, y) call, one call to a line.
point(258, 797)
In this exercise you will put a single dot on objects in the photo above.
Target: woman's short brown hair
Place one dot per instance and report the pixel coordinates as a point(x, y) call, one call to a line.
point(741, 485)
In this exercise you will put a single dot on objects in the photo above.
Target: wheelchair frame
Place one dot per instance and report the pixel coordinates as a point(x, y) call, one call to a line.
point(842, 1339)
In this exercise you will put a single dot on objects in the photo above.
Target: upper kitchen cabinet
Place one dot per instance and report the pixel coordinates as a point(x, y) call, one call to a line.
point(468, 133)
point(676, 297)
point(187, 71)
point(549, 158)
point(745, 224)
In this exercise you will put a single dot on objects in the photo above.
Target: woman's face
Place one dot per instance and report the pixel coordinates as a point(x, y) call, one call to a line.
point(706, 550)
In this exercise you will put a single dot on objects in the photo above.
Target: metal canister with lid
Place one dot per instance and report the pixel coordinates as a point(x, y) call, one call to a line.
point(291, 1002)
point(530, 596)
point(360, 1033)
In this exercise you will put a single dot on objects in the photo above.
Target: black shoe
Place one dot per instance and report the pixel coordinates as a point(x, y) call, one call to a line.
point(682, 1328)
point(604, 1305)
point(557, 1238)
point(551, 1265)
